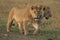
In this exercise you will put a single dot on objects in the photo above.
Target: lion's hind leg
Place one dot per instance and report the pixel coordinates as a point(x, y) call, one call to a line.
point(9, 25)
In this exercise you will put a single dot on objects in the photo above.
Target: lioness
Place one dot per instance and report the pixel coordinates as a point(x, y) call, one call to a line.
point(23, 16)
point(26, 15)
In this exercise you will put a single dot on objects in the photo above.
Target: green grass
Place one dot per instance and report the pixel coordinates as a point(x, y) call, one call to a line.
point(49, 29)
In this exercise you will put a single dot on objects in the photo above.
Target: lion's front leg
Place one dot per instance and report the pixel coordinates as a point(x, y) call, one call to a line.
point(20, 27)
point(35, 25)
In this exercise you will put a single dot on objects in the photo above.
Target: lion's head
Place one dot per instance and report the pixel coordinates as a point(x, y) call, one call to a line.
point(36, 12)
point(41, 11)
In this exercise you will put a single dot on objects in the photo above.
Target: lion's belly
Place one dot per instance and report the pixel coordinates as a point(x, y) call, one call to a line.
point(20, 18)
point(21, 15)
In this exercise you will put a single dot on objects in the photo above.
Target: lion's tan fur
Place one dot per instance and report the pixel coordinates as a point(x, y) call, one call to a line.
point(22, 17)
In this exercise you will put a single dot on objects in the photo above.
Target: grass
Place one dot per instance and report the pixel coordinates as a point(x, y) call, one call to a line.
point(49, 29)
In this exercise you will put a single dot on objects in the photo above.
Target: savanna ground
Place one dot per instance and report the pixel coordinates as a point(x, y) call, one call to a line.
point(49, 29)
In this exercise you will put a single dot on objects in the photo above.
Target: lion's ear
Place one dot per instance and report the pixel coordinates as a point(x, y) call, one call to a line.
point(32, 8)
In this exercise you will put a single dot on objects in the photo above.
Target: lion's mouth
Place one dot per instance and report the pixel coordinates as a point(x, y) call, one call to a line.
point(36, 19)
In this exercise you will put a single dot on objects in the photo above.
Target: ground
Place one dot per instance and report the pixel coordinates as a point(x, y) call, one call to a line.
point(49, 29)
